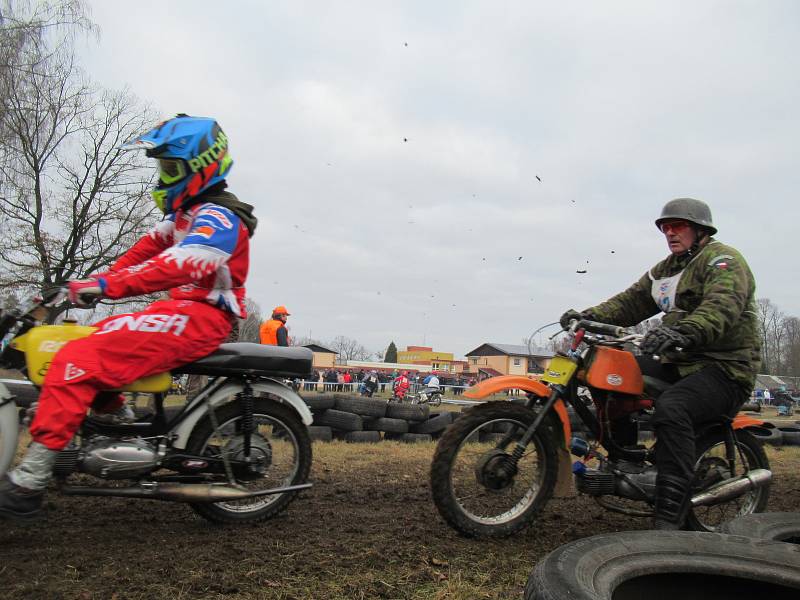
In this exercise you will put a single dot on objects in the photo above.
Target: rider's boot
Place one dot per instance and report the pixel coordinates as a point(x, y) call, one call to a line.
point(672, 502)
point(22, 490)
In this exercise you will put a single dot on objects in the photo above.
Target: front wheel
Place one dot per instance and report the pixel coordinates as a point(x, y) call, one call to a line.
point(477, 487)
point(712, 467)
point(280, 450)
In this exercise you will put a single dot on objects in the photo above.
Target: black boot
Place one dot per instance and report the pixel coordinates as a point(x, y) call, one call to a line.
point(17, 502)
point(672, 502)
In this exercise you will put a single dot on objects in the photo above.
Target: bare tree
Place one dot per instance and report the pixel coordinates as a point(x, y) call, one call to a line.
point(769, 320)
point(32, 31)
point(249, 327)
point(348, 349)
point(70, 202)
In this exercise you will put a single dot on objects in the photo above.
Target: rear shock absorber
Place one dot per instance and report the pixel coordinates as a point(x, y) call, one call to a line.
point(248, 422)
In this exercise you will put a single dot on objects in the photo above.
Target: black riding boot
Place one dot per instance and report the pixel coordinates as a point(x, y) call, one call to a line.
point(672, 502)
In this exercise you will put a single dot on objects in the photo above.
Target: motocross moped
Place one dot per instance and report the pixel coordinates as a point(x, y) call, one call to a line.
point(496, 466)
point(239, 451)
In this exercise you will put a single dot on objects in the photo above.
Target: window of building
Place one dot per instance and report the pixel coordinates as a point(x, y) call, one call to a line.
point(473, 361)
point(517, 362)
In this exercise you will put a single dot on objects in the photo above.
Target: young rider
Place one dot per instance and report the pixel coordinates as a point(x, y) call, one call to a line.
point(199, 252)
point(707, 294)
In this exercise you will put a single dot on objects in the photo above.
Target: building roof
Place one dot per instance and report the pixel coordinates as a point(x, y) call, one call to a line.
point(769, 381)
point(493, 349)
point(318, 348)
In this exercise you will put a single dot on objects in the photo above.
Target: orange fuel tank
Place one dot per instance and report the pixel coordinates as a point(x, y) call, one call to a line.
point(615, 370)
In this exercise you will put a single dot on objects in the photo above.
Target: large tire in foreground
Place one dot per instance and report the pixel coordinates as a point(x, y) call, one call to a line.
point(712, 468)
point(470, 481)
point(280, 446)
point(776, 527)
point(676, 564)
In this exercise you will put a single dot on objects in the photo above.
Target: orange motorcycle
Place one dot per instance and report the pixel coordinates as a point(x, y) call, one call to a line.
point(496, 466)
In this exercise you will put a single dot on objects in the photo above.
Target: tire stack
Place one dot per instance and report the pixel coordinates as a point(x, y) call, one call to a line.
point(360, 419)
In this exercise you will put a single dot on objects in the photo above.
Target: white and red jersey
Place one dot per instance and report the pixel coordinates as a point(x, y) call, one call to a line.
point(201, 254)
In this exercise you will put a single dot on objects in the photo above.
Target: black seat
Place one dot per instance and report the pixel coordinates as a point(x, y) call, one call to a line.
point(655, 387)
point(244, 358)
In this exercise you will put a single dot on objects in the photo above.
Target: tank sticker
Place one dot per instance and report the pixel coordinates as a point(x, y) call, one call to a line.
point(614, 379)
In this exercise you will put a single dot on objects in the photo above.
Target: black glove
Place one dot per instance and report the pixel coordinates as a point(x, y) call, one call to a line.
point(574, 314)
point(662, 338)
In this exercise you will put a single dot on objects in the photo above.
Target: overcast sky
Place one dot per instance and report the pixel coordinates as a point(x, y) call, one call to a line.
point(392, 148)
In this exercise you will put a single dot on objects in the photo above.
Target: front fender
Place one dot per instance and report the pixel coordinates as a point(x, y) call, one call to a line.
point(493, 385)
point(490, 386)
point(9, 429)
point(280, 392)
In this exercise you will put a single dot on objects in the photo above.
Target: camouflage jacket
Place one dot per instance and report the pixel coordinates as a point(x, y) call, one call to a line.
point(710, 298)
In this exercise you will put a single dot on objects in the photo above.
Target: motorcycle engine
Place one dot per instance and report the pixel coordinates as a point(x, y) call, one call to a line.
point(111, 458)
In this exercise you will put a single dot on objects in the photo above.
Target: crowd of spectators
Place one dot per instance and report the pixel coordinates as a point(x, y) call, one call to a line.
point(346, 380)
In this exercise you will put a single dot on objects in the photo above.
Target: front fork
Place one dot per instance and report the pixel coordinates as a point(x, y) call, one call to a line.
point(522, 443)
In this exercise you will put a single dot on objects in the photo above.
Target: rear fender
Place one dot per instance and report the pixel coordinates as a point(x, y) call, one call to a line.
point(275, 390)
point(740, 421)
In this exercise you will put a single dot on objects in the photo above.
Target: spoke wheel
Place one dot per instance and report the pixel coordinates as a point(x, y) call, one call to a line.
point(712, 467)
point(477, 487)
point(280, 455)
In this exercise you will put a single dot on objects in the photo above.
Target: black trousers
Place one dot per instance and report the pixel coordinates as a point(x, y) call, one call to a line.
point(697, 398)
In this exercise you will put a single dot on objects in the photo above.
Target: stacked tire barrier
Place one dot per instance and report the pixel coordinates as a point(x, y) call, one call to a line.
point(774, 435)
point(360, 419)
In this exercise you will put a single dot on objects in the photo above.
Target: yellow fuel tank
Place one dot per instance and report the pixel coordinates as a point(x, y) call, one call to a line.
point(41, 343)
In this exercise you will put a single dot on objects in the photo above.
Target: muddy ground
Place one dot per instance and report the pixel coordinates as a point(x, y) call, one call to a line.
point(368, 529)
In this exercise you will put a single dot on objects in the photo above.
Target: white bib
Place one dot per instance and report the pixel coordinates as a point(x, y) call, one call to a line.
point(664, 291)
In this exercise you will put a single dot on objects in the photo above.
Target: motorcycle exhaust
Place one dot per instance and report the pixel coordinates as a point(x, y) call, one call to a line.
point(732, 488)
point(179, 492)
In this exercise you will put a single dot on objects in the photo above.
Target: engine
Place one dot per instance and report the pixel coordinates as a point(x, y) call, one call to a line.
point(111, 458)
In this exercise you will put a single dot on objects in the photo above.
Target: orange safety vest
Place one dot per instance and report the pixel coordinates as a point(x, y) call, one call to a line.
point(269, 331)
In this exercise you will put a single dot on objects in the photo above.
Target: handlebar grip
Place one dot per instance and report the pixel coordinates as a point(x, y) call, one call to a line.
point(601, 328)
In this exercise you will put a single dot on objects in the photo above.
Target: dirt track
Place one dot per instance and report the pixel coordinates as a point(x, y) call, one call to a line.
point(367, 529)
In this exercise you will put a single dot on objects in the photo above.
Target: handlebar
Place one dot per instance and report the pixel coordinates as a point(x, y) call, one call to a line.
point(597, 327)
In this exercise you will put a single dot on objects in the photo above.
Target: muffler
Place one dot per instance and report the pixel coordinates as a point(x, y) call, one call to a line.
point(179, 492)
point(732, 488)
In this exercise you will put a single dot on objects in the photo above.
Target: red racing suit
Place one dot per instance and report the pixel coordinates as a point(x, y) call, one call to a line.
point(201, 255)
point(400, 387)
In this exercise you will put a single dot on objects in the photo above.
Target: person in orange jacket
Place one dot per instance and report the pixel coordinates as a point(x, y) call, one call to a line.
point(274, 331)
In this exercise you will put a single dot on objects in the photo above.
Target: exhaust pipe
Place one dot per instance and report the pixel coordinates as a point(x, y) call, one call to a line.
point(179, 492)
point(732, 488)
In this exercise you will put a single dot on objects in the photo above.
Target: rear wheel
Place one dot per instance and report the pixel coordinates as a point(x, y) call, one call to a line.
point(280, 451)
point(712, 467)
point(476, 486)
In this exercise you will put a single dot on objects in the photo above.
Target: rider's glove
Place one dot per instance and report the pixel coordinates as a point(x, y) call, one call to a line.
point(662, 338)
point(573, 314)
point(84, 292)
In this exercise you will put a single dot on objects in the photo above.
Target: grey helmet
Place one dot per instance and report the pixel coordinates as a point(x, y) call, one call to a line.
point(688, 209)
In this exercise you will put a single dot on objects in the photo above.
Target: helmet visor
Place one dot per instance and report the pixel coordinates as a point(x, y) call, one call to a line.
point(171, 170)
